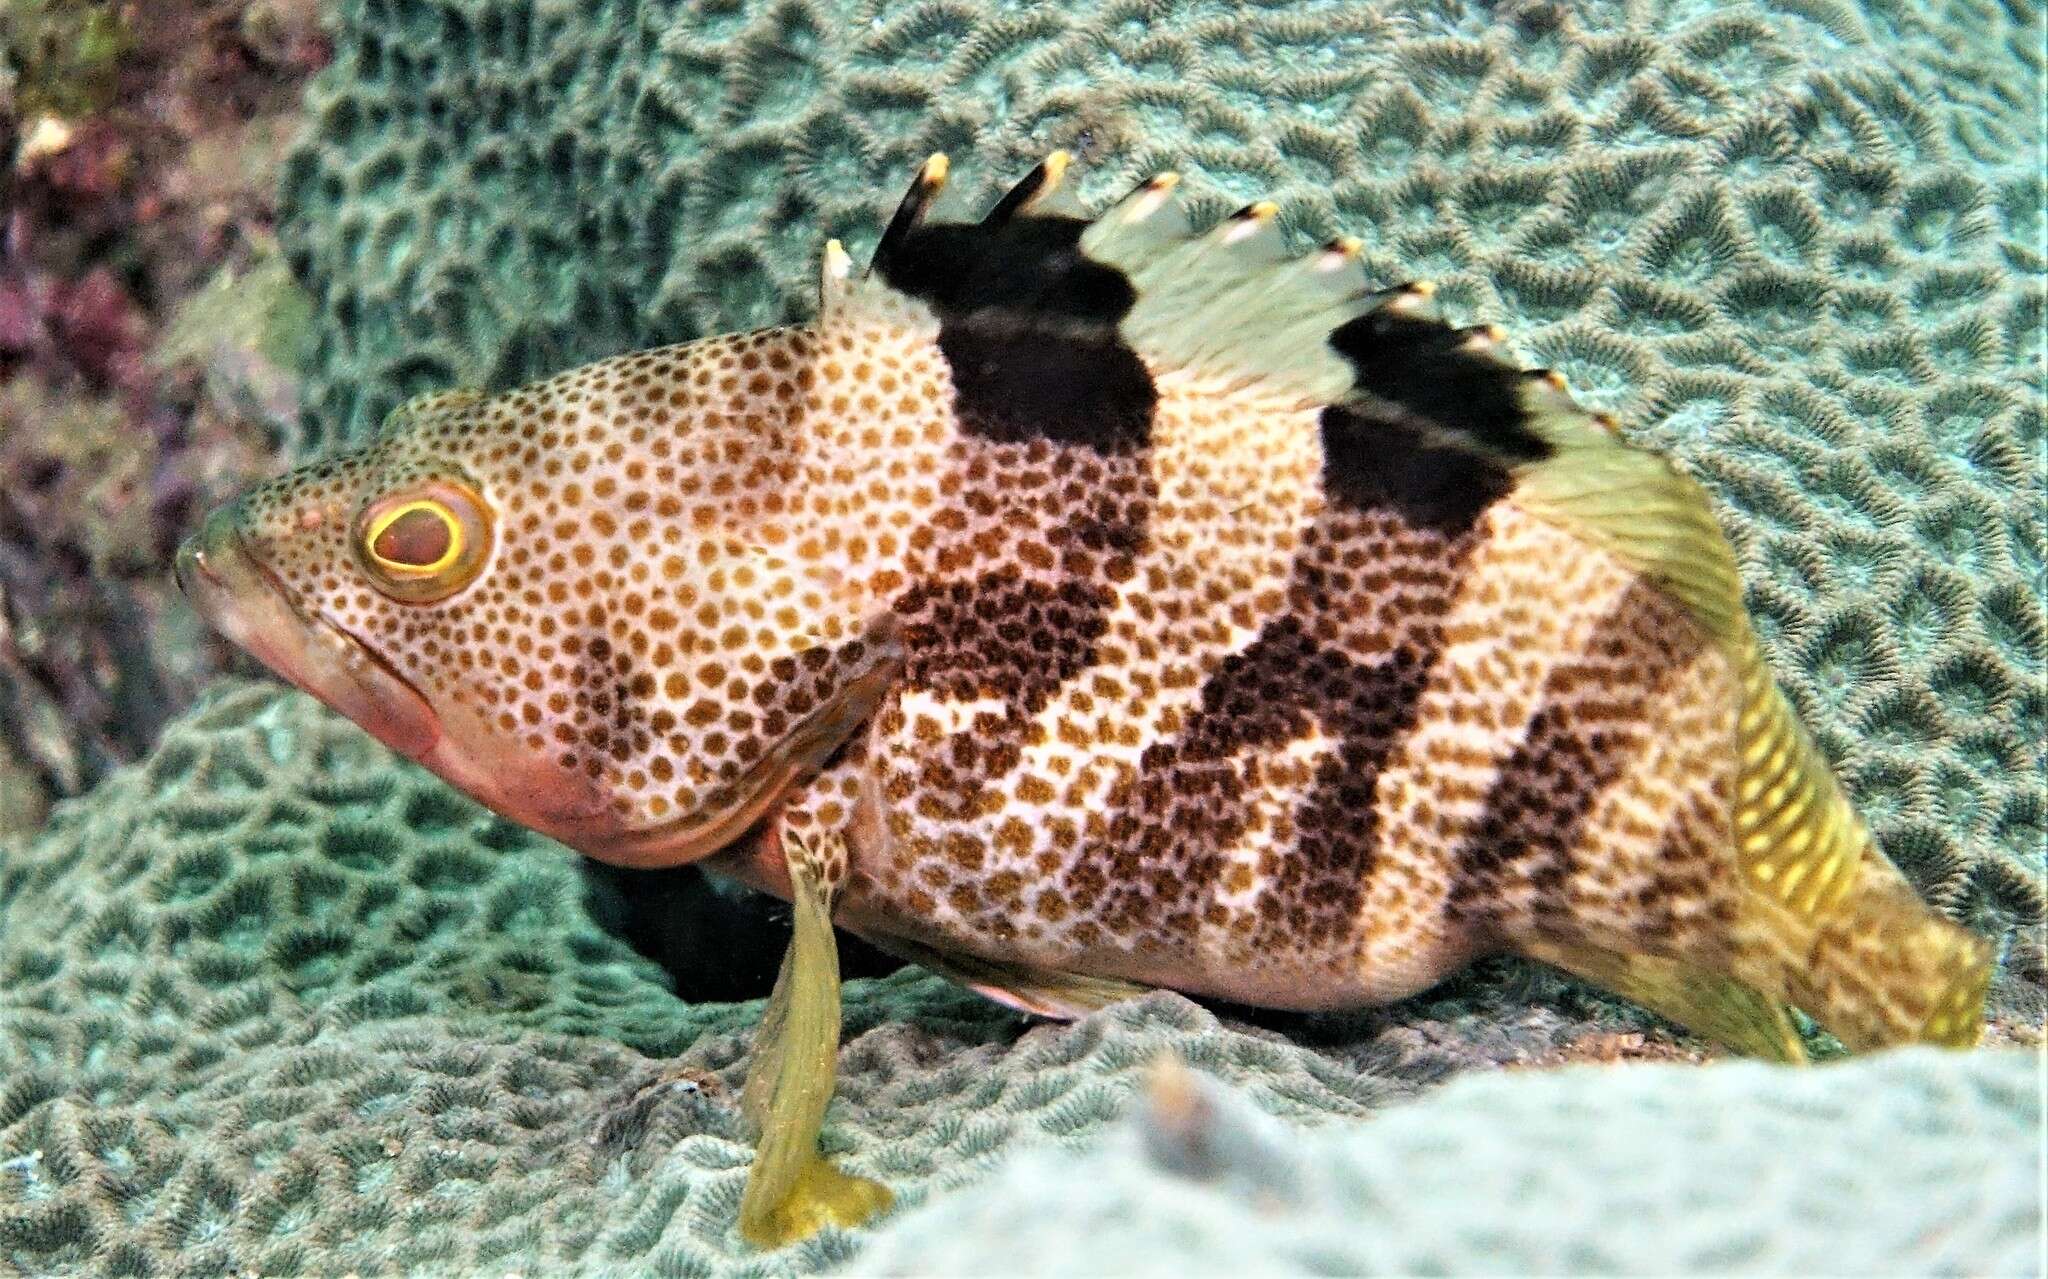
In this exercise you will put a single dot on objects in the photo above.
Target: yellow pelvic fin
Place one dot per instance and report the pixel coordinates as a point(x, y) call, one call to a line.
point(1709, 1004)
point(792, 1191)
point(1042, 992)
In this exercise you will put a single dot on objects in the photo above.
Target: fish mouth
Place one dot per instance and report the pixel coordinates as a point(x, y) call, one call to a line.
point(244, 600)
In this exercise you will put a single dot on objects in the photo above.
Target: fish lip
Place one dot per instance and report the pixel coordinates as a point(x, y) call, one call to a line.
point(245, 600)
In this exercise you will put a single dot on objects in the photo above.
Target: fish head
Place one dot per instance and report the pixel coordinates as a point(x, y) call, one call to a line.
point(375, 581)
point(575, 618)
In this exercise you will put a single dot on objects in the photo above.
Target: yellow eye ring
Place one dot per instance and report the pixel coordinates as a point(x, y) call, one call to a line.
point(389, 527)
point(424, 543)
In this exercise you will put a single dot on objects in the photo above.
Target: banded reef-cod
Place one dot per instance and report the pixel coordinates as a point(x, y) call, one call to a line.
point(1077, 606)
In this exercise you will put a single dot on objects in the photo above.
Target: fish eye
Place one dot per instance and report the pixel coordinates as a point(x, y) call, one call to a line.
point(424, 544)
point(418, 537)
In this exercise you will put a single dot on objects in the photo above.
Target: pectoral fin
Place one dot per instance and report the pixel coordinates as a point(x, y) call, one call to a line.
point(1042, 992)
point(1705, 1003)
point(792, 1191)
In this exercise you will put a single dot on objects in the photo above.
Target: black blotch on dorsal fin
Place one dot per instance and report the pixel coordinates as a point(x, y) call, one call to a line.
point(1443, 378)
point(1376, 461)
point(910, 211)
point(1028, 325)
point(1043, 179)
point(1029, 265)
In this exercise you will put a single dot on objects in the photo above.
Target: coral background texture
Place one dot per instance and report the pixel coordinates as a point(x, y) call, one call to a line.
point(274, 1000)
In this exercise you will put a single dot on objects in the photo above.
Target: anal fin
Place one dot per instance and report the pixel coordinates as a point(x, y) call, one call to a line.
point(1706, 1003)
point(1041, 992)
point(792, 1190)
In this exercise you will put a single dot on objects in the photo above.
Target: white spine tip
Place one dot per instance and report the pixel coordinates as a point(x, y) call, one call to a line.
point(1338, 254)
point(1152, 197)
point(1248, 222)
point(833, 271)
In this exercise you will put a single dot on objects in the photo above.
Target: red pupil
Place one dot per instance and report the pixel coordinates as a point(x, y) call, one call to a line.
point(418, 538)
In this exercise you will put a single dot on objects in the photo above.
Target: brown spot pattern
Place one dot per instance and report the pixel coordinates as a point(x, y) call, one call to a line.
point(1584, 729)
point(1191, 796)
point(1530, 866)
point(653, 619)
point(1000, 636)
point(1207, 689)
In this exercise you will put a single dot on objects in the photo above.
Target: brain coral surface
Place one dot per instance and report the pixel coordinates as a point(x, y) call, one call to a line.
point(1916, 1162)
point(1799, 244)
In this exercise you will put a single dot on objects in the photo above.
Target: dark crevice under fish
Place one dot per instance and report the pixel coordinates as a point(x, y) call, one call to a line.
point(1078, 606)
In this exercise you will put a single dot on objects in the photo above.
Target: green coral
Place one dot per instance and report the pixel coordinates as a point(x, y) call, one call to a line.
point(1799, 246)
point(1913, 1162)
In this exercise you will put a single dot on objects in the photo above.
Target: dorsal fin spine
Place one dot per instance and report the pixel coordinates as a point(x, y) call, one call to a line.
point(930, 180)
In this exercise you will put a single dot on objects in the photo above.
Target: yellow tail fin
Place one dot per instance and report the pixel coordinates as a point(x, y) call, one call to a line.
point(1826, 923)
point(1883, 968)
point(1844, 935)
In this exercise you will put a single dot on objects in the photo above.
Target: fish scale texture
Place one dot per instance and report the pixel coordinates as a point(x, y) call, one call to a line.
point(1735, 1168)
point(1799, 245)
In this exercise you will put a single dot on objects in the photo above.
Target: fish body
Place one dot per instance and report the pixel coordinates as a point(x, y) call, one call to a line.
point(1102, 603)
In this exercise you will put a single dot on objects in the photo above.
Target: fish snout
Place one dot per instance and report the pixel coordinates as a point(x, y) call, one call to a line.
point(223, 572)
point(205, 559)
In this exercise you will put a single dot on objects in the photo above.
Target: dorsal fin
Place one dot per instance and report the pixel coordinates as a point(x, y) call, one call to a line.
point(1228, 304)
point(1027, 321)
point(1059, 326)
point(426, 405)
